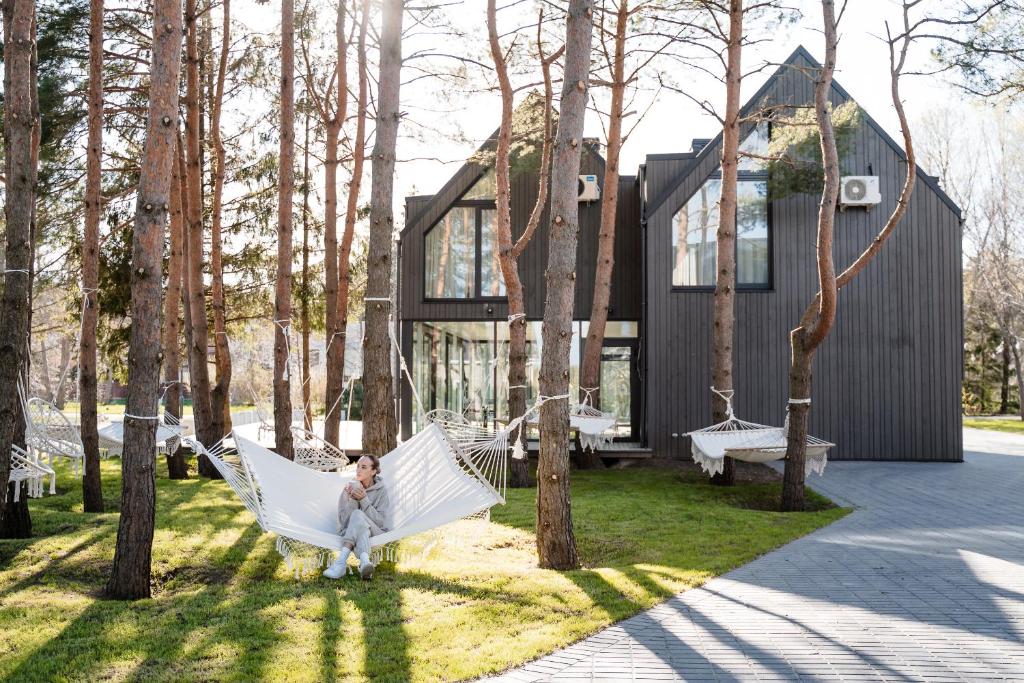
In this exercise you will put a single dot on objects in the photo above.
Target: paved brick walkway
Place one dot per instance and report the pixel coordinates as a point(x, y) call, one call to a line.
point(924, 581)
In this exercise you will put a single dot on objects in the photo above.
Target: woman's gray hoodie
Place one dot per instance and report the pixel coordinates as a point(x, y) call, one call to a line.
point(376, 505)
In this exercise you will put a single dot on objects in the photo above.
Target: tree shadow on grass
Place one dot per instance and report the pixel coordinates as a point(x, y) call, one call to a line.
point(329, 637)
point(96, 635)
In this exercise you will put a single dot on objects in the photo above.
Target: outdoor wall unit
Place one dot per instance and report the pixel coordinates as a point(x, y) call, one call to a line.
point(587, 190)
point(859, 190)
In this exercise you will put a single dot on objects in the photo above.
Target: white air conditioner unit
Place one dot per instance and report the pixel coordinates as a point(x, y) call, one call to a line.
point(859, 190)
point(587, 190)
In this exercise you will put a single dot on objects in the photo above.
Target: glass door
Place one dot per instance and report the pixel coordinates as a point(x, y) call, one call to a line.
point(620, 391)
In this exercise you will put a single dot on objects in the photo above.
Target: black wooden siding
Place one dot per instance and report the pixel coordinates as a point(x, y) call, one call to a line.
point(887, 380)
point(625, 295)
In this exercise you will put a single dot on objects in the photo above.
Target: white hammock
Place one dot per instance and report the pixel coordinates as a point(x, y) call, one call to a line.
point(434, 478)
point(112, 438)
point(27, 468)
point(596, 428)
point(749, 442)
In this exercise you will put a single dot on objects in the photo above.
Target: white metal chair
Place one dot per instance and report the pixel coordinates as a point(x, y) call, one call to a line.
point(27, 468)
point(47, 430)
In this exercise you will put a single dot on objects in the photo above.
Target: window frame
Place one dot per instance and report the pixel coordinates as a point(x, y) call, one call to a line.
point(740, 286)
point(479, 206)
point(740, 177)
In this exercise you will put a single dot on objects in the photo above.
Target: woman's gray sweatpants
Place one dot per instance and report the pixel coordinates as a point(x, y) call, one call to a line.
point(355, 527)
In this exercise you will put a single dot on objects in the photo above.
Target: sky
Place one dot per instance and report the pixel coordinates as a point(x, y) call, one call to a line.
point(673, 120)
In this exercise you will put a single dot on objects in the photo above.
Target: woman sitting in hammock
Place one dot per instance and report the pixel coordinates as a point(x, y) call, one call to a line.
point(363, 508)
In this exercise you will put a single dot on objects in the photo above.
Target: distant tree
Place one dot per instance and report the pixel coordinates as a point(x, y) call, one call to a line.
point(130, 577)
point(982, 43)
point(21, 148)
point(981, 167)
point(379, 424)
point(286, 190)
point(793, 160)
point(556, 543)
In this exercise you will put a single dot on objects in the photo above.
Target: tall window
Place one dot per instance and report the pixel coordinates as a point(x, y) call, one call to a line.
point(461, 255)
point(695, 225)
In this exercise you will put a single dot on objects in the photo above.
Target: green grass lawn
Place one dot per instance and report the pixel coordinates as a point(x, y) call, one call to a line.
point(225, 607)
point(1014, 425)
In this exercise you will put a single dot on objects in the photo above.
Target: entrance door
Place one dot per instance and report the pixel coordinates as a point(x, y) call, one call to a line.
point(620, 386)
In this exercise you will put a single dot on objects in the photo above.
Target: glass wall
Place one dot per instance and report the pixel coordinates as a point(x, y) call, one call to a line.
point(463, 366)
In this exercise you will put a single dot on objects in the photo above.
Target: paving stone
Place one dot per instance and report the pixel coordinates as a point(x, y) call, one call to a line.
point(923, 581)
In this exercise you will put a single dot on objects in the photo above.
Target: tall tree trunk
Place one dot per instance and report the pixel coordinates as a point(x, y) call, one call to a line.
point(379, 425)
point(509, 264)
point(508, 252)
point(59, 393)
point(220, 397)
point(590, 368)
point(1004, 385)
point(131, 572)
point(186, 295)
point(804, 339)
point(21, 130)
point(723, 327)
point(92, 490)
point(352, 207)
point(335, 330)
point(286, 188)
point(1018, 369)
point(43, 357)
point(556, 543)
point(307, 408)
point(199, 371)
point(817, 319)
point(177, 467)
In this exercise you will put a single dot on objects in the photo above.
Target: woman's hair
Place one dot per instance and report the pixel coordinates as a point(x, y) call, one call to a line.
point(374, 461)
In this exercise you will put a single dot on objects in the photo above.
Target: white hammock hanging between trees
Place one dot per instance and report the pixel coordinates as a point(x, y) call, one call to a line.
point(749, 442)
point(450, 470)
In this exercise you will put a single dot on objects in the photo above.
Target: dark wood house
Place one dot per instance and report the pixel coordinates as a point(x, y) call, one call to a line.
point(887, 381)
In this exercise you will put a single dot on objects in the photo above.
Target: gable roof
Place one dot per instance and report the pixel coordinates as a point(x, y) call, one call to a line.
point(462, 181)
point(800, 53)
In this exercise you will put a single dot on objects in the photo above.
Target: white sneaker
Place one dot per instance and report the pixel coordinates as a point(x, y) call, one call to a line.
point(366, 570)
point(337, 569)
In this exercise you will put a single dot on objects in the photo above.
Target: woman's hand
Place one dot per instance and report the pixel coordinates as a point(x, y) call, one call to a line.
point(357, 491)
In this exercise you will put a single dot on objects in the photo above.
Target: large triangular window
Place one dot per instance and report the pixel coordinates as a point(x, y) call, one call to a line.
point(695, 225)
point(461, 250)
